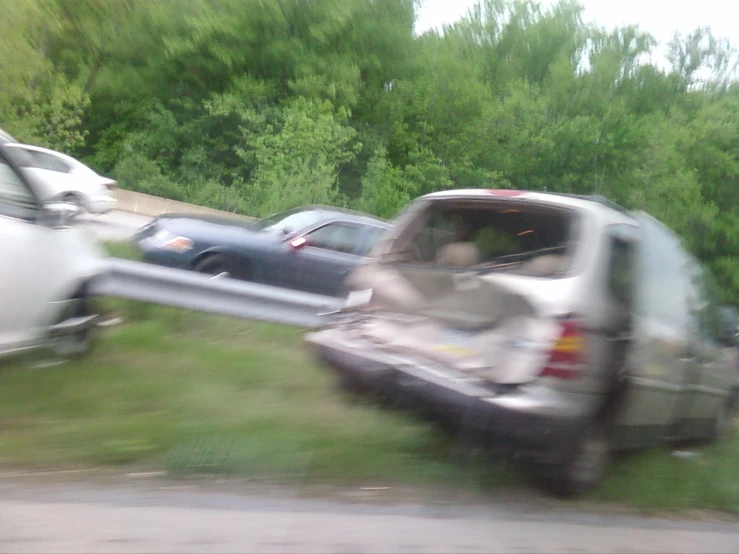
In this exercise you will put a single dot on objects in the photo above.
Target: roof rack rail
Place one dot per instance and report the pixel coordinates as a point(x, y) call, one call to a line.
point(597, 198)
point(606, 202)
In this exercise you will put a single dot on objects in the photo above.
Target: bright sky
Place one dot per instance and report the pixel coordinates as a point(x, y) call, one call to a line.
point(661, 18)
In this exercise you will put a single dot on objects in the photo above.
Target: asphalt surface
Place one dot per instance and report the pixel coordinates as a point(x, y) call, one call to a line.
point(146, 517)
point(115, 226)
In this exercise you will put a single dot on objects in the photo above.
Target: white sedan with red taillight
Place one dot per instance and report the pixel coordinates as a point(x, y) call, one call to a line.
point(61, 177)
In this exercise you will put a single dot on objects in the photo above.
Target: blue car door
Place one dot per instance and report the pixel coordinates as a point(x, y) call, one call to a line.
point(322, 258)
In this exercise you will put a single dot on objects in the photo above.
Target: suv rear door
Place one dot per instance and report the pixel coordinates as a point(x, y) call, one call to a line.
point(661, 357)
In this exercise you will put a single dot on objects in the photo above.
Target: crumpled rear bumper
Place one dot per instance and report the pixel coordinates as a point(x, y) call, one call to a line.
point(517, 420)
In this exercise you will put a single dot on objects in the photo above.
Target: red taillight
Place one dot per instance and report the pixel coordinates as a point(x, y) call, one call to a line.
point(565, 359)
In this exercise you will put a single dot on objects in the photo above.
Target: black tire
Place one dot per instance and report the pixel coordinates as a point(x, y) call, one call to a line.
point(215, 264)
point(75, 345)
point(583, 469)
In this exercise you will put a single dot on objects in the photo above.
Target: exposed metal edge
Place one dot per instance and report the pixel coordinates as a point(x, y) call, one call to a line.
point(73, 324)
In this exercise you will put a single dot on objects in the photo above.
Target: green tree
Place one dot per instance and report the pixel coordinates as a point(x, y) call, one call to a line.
point(38, 103)
point(297, 161)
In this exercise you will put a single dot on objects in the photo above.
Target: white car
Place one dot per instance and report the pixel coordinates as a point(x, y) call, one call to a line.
point(61, 177)
point(46, 271)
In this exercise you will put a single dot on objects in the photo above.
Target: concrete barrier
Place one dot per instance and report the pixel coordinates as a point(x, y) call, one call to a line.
point(152, 206)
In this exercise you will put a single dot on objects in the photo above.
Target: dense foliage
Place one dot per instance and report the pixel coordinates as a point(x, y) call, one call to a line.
point(259, 105)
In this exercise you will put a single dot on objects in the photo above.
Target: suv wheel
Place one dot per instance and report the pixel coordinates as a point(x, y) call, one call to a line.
point(584, 467)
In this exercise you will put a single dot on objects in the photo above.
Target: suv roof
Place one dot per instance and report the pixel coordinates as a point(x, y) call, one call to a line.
point(583, 201)
point(598, 199)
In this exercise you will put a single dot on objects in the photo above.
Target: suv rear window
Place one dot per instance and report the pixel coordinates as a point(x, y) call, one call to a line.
point(511, 237)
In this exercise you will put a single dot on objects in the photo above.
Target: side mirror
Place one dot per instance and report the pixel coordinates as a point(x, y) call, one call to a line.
point(58, 215)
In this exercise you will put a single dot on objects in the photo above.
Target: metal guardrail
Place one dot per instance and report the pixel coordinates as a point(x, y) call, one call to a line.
point(186, 289)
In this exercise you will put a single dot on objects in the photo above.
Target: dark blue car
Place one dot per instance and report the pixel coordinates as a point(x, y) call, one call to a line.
point(310, 249)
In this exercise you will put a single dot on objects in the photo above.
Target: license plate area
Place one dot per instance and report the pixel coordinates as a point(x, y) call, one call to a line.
point(420, 377)
point(458, 342)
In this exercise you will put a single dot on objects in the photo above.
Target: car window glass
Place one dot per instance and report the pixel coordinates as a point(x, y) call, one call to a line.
point(293, 221)
point(338, 237)
point(664, 278)
point(439, 231)
point(16, 200)
point(373, 234)
point(496, 235)
point(20, 157)
point(706, 305)
point(47, 161)
point(621, 272)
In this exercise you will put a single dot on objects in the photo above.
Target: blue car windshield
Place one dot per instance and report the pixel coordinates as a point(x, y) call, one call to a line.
point(293, 220)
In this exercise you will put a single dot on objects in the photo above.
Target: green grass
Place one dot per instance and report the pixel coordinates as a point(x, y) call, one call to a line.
point(122, 249)
point(192, 394)
point(656, 479)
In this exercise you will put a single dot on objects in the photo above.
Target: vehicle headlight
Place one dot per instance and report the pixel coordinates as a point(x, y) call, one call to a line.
point(168, 241)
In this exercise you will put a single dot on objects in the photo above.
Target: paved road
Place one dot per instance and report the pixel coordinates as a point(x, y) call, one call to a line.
point(115, 226)
point(135, 518)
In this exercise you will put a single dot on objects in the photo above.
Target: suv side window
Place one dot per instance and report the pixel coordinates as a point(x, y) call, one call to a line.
point(338, 237)
point(16, 200)
point(706, 305)
point(621, 272)
point(664, 279)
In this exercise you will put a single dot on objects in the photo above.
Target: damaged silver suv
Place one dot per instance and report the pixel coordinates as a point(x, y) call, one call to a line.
point(562, 327)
